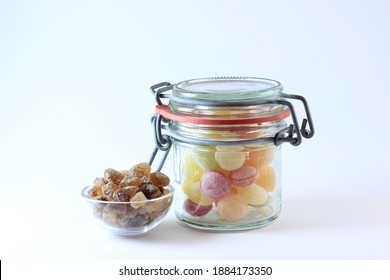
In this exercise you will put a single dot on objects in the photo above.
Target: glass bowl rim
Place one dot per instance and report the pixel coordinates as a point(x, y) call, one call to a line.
point(90, 199)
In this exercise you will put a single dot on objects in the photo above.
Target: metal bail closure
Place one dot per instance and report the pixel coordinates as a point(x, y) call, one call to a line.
point(289, 134)
point(307, 132)
point(163, 141)
point(292, 134)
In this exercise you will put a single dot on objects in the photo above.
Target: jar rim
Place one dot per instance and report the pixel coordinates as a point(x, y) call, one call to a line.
point(232, 88)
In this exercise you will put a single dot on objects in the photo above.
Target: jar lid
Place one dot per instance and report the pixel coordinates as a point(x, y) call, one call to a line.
point(225, 101)
point(227, 89)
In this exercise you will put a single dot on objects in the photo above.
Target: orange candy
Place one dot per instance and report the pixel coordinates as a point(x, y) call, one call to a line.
point(260, 157)
point(267, 178)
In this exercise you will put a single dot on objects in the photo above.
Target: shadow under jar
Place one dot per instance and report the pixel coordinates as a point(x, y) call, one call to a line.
point(226, 134)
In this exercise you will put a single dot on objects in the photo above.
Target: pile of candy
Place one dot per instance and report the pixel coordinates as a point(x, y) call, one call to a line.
point(132, 192)
point(229, 178)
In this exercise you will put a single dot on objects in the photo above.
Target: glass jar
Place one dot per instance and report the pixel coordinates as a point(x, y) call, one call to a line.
point(226, 135)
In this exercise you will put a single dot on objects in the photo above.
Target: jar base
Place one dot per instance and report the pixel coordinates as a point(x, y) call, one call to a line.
point(224, 226)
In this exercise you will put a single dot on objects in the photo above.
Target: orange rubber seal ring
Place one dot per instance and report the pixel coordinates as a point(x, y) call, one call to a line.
point(165, 112)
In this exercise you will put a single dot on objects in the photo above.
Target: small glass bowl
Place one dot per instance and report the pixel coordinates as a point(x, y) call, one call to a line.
point(129, 218)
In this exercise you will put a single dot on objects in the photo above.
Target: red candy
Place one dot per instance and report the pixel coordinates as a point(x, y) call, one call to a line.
point(195, 209)
point(215, 184)
point(244, 176)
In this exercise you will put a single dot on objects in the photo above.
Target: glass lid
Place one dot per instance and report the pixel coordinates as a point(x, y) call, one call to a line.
point(228, 89)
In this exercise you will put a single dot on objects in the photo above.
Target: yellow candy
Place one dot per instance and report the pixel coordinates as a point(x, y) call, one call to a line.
point(230, 157)
point(253, 194)
point(191, 170)
point(267, 179)
point(195, 194)
point(185, 185)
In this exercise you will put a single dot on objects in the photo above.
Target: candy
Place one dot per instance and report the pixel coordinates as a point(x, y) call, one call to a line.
point(185, 185)
point(146, 180)
point(140, 198)
point(224, 172)
point(116, 208)
point(267, 179)
point(159, 179)
point(232, 207)
point(125, 194)
point(123, 219)
point(140, 170)
point(109, 189)
point(165, 191)
point(101, 198)
point(151, 214)
point(215, 185)
point(150, 191)
point(139, 221)
point(108, 216)
point(95, 191)
point(137, 186)
point(196, 195)
point(99, 182)
point(205, 159)
point(191, 170)
point(230, 157)
point(244, 176)
point(157, 206)
point(195, 209)
point(98, 207)
point(130, 181)
point(253, 194)
point(233, 190)
point(138, 176)
point(114, 176)
point(260, 157)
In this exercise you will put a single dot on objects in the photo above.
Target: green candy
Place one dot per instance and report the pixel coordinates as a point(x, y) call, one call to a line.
point(205, 159)
point(230, 157)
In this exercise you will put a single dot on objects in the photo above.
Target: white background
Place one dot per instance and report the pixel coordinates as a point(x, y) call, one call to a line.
point(74, 100)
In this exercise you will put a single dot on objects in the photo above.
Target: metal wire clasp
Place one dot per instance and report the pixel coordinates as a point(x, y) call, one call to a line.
point(292, 134)
point(307, 127)
point(163, 141)
point(158, 89)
